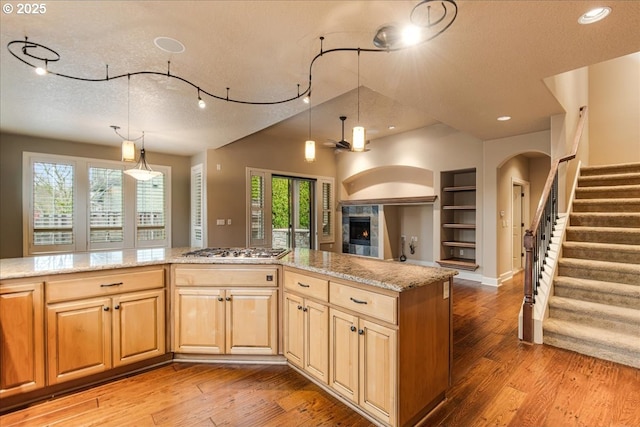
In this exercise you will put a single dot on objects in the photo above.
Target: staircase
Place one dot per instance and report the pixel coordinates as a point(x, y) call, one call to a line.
point(595, 309)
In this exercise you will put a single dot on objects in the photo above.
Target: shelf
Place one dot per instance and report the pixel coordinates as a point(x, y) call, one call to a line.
point(459, 263)
point(461, 226)
point(459, 244)
point(460, 207)
point(420, 200)
point(458, 219)
point(460, 188)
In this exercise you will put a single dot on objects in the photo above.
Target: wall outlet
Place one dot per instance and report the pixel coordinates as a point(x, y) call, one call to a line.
point(461, 252)
point(229, 221)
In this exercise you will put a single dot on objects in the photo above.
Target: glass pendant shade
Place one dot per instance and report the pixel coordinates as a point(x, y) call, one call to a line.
point(128, 151)
point(142, 171)
point(358, 138)
point(310, 151)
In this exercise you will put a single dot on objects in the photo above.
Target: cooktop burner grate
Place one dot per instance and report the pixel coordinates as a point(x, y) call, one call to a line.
point(273, 253)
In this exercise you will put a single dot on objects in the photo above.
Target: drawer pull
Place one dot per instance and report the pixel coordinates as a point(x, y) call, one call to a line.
point(111, 284)
point(303, 285)
point(357, 301)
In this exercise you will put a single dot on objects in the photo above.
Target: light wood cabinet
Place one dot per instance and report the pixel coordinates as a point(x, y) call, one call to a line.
point(363, 364)
point(225, 310)
point(306, 335)
point(91, 335)
point(21, 338)
point(306, 323)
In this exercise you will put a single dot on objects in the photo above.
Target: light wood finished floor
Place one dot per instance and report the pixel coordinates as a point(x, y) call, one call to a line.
point(496, 381)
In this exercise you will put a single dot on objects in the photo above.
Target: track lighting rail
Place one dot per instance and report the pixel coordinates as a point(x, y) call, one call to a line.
point(27, 51)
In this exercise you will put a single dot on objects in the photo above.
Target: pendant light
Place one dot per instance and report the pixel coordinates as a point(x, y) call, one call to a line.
point(142, 171)
point(128, 148)
point(309, 145)
point(359, 133)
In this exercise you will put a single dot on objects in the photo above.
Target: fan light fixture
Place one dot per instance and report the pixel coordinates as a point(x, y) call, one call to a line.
point(359, 133)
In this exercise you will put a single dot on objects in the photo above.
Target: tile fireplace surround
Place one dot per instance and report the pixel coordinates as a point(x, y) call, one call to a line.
point(368, 211)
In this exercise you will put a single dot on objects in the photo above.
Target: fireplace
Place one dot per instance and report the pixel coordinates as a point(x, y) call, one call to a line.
point(360, 230)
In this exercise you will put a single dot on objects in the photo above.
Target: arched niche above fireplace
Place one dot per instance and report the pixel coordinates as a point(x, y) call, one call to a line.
point(389, 182)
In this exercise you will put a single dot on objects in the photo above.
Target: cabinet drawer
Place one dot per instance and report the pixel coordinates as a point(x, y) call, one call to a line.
point(90, 285)
point(208, 276)
point(307, 285)
point(383, 307)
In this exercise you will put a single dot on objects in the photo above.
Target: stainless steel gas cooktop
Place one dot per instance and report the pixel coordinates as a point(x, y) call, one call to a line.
point(273, 253)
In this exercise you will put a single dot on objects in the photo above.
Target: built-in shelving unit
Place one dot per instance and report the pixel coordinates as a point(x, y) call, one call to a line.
point(458, 219)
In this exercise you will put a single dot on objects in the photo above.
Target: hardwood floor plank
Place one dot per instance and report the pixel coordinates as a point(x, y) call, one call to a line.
point(63, 414)
point(501, 415)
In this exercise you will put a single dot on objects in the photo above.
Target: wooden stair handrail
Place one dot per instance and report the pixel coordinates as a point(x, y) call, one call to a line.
point(530, 234)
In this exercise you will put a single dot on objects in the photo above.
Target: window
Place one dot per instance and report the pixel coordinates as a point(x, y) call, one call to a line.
point(106, 207)
point(78, 204)
point(259, 215)
point(197, 207)
point(52, 200)
point(325, 224)
point(150, 221)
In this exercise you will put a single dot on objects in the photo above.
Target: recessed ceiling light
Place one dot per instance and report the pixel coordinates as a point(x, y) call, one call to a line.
point(594, 15)
point(504, 118)
point(169, 45)
point(391, 127)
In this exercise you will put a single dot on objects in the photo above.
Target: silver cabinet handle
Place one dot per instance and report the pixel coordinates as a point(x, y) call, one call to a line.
point(353, 328)
point(228, 298)
point(108, 285)
point(303, 285)
point(220, 299)
point(357, 301)
point(360, 332)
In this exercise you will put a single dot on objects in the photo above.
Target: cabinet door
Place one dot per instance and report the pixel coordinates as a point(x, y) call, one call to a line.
point(316, 333)
point(343, 350)
point(252, 321)
point(199, 320)
point(293, 329)
point(378, 370)
point(78, 339)
point(138, 326)
point(21, 339)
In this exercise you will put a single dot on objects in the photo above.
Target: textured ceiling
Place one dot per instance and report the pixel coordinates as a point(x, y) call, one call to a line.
point(491, 62)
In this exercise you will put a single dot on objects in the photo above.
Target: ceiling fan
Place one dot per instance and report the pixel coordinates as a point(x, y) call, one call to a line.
point(342, 144)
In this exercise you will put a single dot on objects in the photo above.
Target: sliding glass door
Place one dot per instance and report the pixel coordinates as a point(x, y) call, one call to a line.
point(292, 205)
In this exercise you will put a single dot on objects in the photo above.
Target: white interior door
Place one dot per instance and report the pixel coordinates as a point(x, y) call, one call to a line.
point(516, 225)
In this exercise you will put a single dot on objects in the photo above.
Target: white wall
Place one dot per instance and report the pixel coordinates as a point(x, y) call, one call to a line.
point(614, 116)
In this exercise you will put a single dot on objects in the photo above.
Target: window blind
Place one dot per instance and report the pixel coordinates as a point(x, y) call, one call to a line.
point(150, 209)
point(105, 205)
point(52, 203)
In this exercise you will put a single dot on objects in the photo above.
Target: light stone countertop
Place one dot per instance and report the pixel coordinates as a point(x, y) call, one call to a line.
point(390, 275)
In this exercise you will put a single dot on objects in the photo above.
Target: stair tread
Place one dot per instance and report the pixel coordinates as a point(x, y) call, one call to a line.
point(618, 247)
point(606, 214)
point(614, 176)
point(633, 230)
point(591, 284)
point(612, 311)
point(607, 337)
point(590, 264)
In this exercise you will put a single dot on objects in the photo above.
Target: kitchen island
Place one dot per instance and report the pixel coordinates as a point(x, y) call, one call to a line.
point(376, 334)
